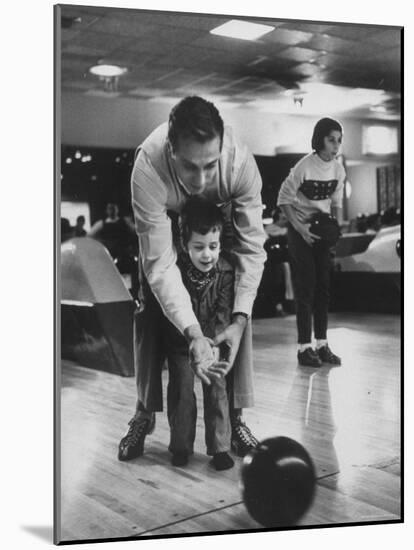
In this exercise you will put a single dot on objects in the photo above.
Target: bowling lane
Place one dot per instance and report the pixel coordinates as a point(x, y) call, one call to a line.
point(348, 418)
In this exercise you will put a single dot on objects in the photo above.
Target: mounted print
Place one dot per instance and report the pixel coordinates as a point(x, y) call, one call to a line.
point(228, 221)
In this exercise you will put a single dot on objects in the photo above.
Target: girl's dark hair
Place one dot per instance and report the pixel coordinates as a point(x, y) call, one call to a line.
point(322, 129)
point(200, 215)
point(195, 118)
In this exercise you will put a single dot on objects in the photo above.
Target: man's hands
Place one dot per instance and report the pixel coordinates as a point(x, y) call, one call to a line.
point(231, 337)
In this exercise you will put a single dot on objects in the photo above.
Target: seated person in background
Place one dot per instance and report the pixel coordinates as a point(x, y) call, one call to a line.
point(79, 227)
point(209, 280)
point(373, 224)
point(112, 231)
point(276, 271)
point(66, 230)
point(279, 225)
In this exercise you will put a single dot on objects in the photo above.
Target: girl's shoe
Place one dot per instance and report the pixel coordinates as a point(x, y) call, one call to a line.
point(326, 356)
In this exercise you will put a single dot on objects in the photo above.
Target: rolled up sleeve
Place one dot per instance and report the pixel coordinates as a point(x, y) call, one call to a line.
point(158, 255)
point(249, 234)
point(289, 188)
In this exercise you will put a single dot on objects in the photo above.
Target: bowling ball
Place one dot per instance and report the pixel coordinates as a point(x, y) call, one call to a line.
point(325, 226)
point(278, 482)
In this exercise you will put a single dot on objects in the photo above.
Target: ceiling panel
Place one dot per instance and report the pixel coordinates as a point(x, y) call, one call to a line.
point(167, 54)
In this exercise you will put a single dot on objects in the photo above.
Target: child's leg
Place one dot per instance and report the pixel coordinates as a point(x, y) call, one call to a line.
point(181, 404)
point(216, 417)
point(303, 277)
point(321, 300)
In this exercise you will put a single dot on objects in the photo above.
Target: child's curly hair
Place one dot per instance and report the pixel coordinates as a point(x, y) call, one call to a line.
point(200, 215)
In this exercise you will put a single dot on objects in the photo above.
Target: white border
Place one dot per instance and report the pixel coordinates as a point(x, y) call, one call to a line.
point(27, 267)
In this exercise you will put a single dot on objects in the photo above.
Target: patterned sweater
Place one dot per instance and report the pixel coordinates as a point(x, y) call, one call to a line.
point(313, 185)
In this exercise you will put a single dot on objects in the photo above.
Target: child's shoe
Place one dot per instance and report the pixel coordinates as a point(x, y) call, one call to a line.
point(179, 459)
point(222, 461)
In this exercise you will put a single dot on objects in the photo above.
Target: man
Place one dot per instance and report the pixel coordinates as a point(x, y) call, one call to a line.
point(193, 155)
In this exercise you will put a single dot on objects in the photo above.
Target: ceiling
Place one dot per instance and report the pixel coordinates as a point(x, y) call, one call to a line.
point(299, 67)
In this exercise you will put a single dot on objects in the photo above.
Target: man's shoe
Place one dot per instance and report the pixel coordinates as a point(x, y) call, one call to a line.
point(179, 459)
point(309, 358)
point(326, 356)
point(242, 439)
point(132, 444)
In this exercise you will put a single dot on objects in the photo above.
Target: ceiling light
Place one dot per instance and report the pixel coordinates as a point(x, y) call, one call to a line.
point(242, 29)
point(107, 70)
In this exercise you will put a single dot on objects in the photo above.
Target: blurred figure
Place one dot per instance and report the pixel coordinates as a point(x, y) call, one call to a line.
point(279, 225)
point(79, 230)
point(275, 281)
point(373, 224)
point(112, 231)
point(66, 230)
point(391, 217)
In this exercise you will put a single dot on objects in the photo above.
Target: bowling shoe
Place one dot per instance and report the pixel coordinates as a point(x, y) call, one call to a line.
point(327, 356)
point(242, 439)
point(179, 459)
point(222, 461)
point(309, 358)
point(132, 444)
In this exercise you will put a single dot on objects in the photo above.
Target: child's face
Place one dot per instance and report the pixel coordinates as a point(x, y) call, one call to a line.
point(204, 250)
point(332, 143)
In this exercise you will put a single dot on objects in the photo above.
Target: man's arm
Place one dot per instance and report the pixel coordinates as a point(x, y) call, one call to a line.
point(248, 250)
point(158, 256)
point(249, 234)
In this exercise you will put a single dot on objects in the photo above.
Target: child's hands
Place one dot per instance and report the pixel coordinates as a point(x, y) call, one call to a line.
point(202, 359)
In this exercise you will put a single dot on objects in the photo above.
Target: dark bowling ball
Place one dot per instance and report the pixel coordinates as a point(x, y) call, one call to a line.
point(326, 227)
point(278, 479)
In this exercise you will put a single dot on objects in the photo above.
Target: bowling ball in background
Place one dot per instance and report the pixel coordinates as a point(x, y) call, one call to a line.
point(278, 482)
point(326, 227)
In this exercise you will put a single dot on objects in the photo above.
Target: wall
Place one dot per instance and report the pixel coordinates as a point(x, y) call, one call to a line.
point(125, 122)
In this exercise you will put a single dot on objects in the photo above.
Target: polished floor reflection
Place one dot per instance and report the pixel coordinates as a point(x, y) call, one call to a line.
point(347, 417)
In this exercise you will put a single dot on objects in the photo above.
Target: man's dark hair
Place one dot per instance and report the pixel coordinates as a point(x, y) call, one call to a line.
point(194, 118)
point(322, 129)
point(200, 215)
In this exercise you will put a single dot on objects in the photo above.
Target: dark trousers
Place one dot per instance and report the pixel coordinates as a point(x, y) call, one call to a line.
point(182, 409)
point(310, 267)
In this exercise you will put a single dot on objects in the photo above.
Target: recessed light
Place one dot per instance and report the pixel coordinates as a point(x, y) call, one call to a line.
point(242, 29)
point(108, 70)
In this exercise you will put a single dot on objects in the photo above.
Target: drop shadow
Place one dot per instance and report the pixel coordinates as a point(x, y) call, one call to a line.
point(43, 532)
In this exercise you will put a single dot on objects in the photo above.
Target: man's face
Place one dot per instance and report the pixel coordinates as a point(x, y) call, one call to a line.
point(196, 163)
point(204, 250)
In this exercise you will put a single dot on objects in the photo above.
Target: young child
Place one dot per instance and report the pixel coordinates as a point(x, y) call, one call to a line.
point(315, 184)
point(209, 279)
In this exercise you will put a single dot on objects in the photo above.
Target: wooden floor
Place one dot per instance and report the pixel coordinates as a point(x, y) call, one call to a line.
point(347, 417)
